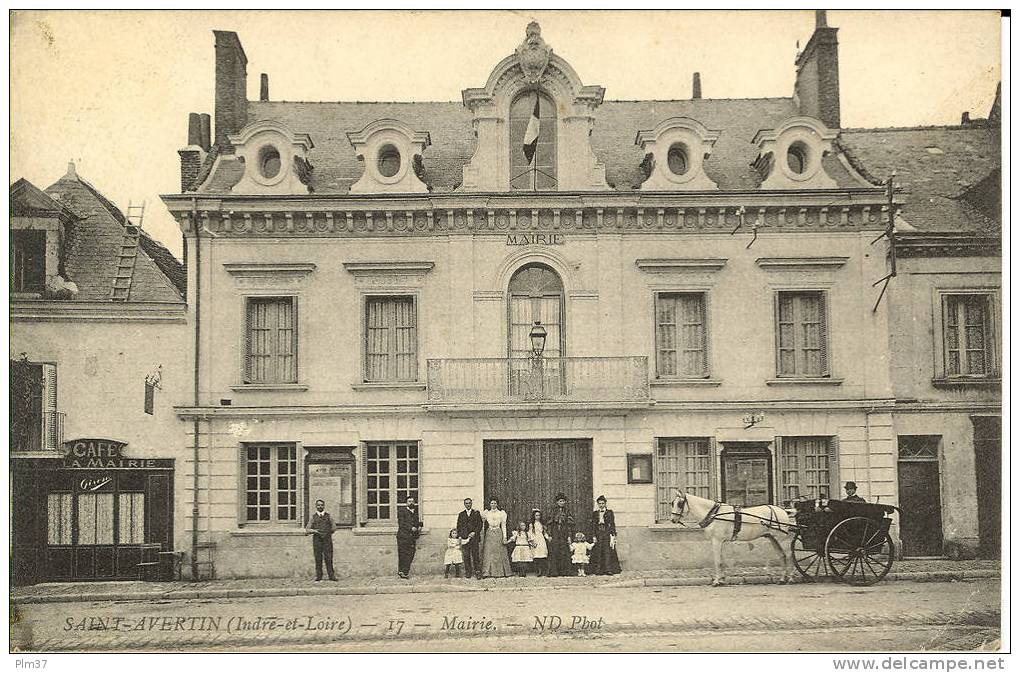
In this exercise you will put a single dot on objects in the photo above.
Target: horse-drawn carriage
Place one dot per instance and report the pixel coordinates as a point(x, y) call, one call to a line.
point(846, 540)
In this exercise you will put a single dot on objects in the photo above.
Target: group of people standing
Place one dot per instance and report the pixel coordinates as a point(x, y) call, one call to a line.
point(484, 545)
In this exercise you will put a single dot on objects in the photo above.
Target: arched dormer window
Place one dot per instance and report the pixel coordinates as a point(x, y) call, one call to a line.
point(532, 142)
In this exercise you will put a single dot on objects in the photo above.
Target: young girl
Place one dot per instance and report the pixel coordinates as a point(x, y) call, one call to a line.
point(540, 538)
point(522, 555)
point(579, 553)
point(454, 558)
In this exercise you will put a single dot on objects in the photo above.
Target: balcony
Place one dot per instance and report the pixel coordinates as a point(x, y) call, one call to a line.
point(485, 381)
point(32, 433)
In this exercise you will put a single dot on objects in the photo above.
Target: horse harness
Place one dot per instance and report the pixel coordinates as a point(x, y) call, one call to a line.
point(772, 523)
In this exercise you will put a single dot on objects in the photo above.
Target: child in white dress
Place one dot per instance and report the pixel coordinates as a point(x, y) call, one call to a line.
point(454, 557)
point(579, 554)
point(522, 555)
point(541, 539)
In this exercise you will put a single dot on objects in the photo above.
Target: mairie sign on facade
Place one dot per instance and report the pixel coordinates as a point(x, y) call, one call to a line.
point(106, 454)
point(535, 238)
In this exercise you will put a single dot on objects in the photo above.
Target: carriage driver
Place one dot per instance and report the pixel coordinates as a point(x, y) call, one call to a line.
point(851, 493)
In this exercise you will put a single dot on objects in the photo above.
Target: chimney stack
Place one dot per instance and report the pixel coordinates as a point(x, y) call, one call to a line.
point(816, 91)
point(231, 86)
point(264, 88)
point(697, 86)
point(194, 130)
point(965, 119)
point(205, 125)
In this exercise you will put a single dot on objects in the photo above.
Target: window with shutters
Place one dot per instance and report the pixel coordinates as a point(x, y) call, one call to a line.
point(270, 483)
point(533, 142)
point(28, 260)
point(36, 425)
point(391, 339)
point(683, 463)
point(807, 467)
point(801, 335)
point(270, 340)
point(681, 335)
point(392, 471)
point(58, 518)
point(967, 336)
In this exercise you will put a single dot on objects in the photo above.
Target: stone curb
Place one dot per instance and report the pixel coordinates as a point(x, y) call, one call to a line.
point(979, 618)
point(269, 592)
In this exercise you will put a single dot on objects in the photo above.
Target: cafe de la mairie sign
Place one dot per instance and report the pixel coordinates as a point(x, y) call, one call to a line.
point(106, 454)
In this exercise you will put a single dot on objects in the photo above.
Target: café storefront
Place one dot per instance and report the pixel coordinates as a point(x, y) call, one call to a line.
point(93, 514)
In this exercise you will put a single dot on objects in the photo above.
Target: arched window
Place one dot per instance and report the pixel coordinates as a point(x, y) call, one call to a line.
point(536, 293)
point(533, 142)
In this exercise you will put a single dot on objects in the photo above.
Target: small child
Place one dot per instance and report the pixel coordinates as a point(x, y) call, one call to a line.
point(579, 553)
point(454, 558)
point(523, 542)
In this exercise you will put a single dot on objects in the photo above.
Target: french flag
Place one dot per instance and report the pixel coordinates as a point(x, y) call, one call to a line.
point(531, 135)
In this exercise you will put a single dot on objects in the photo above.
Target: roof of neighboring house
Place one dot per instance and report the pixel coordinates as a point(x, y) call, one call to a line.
point(91, 253)
point(950, 175)
point(336, 168)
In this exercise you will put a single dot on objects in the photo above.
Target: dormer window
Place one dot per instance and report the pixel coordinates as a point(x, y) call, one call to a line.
point(677, 159)
point(675, 153)
point(269, 162)
point(532, 142)
point(28, 268)
point(391, 153)
point(389, 161)
point(790, 157)
point(275, 159)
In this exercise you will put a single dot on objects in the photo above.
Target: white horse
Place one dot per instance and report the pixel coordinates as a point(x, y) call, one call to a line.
point(718, 521)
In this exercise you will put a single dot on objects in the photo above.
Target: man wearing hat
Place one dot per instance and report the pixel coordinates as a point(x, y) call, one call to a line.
point(851, 493)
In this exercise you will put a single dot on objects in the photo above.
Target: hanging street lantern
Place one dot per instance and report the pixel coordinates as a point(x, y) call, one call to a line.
point(538, 335)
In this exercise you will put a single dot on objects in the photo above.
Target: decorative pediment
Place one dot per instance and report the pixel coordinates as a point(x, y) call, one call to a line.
point(533, 67)
point(790, 156)
point(675, 153)
point(390, 152)
point(275, 159)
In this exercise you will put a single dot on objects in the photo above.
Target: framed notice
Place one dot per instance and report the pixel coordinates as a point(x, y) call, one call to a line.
point(331, 479)
point(639, 468)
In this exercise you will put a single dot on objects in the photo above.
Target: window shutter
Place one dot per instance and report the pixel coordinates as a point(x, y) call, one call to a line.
point(823, 313)
point(775, 328)
point(362, 484)
point(833, 465)
point(249, 307)
point(779, 478)
point(49, 404)
point(713, 468)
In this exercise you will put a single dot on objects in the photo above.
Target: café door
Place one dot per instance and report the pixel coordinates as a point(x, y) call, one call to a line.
point(747, 474)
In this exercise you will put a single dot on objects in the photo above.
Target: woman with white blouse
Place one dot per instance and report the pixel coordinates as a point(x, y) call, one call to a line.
point(495, 562)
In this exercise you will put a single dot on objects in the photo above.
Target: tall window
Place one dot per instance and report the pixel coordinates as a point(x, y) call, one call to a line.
point(391, 474)
point(967, 335)
point(271, 340)
point(536, 293)
point(801, 334)
point(391, 339)
point(28, 263)
point(58, 518)
point(270, 483)
point(131, 512)
point(806, 467)
point(533, 142)
point(95, 518)
point(685, 464)
point(35, 423)
point(681, 345)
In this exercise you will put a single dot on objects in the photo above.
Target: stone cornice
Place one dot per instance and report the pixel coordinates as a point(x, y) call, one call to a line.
point(444, 214)
point(80, 311)
point(948, 245)
point(268, 269)
point(402, 268)
point(681, 265)
point(800, 263)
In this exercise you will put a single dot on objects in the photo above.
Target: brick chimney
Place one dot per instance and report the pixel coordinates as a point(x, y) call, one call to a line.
point(264, 87)
point(697, 86)
point(193, 154)
point(816, 91)
point(231, 86)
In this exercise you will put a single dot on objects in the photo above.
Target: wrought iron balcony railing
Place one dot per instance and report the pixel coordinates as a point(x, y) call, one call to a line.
point(515, 380)
point(37, 432)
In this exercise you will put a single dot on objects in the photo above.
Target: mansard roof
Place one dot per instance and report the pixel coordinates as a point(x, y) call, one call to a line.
point(91, 256)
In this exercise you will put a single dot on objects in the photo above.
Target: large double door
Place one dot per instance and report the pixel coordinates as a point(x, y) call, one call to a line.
point(527, 474)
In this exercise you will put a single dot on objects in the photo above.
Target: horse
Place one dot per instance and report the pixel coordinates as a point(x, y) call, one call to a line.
point(719, 523)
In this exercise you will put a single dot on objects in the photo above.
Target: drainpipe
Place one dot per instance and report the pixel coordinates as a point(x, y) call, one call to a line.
point(198, 332)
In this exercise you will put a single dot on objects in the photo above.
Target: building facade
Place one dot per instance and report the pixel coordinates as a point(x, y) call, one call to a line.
point(98, 353)
point(537, 290)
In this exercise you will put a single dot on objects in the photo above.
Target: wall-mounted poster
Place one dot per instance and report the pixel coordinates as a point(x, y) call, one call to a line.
point(333, 483)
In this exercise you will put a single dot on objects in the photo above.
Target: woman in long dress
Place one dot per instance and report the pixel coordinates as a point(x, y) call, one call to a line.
point(602, 528)
point(560, 527)
point(495, 561)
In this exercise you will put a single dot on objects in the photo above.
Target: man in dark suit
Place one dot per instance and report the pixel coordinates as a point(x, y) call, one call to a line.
point(851, 493)
point(321, 528)
point(409, 526)
point(469, 527)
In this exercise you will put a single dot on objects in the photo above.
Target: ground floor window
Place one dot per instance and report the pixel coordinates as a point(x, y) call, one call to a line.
point(806, 467)
point(58, 515)
point(392, 471)
point(270, 483)
point(681, 463)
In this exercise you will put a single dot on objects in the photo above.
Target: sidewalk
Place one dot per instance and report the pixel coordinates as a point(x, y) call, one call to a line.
point(929, 570)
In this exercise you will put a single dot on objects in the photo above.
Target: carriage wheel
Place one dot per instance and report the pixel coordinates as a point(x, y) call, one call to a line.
point(809, 562)
point(859, 551)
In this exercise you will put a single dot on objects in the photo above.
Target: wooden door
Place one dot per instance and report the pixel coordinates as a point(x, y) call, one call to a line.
point(988, 463)
point(525, 474)
point(921, 506)
point(746, 475)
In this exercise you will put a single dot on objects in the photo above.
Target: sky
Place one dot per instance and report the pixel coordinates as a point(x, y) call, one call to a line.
point(112, 90)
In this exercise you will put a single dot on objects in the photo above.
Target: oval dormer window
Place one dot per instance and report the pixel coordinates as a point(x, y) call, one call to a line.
point(677, 159)
point(269, 162)
point(797, 157)
point(389, 161)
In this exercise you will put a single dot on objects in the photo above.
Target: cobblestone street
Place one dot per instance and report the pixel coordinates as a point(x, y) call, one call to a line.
point(910, 615)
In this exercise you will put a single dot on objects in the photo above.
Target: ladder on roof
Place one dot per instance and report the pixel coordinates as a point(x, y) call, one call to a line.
point(128, 253)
